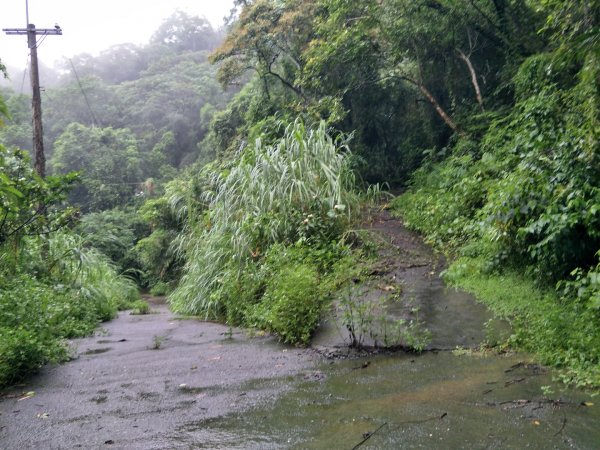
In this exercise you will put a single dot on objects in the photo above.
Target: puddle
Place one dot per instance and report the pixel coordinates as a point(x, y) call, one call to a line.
point(99, 399)
point(447, 318)
point(453, 317)
point(436, 400)
point(97, 351)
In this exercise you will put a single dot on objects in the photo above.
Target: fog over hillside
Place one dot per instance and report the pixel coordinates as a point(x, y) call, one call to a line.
point(91, 29)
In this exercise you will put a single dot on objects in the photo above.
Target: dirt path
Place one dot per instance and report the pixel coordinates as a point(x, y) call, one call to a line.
point(124, 392)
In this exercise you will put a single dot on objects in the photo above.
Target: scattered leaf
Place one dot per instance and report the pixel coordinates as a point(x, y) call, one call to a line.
point(26, 396)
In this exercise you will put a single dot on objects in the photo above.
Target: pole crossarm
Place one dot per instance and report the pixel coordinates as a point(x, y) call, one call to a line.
point(38, 31)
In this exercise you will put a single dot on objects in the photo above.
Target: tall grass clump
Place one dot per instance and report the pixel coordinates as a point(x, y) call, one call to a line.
point(296, 192)
point(58, 289)
point(91, 274)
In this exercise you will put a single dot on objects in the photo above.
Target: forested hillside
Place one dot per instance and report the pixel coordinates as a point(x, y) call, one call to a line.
point(485, 113)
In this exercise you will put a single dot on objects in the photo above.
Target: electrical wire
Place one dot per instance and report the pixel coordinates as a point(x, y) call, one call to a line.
point(87, 102)
point(24, 74)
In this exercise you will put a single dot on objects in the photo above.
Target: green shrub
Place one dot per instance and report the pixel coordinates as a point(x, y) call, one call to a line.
point(292, 303)
point(160, 288)
point(241, 290)
point(114, 233)
point(444, 200)
point(24, 351)
point(71, 291)
point(140, 307)
point(91, 274)
point(156, 257)
point(29, 337)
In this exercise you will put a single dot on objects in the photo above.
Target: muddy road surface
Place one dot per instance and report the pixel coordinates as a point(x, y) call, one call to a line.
point(143, 382)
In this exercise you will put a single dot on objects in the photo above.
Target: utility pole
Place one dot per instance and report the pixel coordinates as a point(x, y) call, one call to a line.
point(36, 99)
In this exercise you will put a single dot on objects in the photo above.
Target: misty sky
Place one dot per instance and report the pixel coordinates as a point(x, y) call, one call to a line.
point(93, 25)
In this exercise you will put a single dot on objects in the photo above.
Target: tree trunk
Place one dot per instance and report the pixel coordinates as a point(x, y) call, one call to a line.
point(431, 99)
point(474, 81)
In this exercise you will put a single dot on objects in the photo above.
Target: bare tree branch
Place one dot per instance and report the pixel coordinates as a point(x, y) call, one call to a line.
point(467, 60)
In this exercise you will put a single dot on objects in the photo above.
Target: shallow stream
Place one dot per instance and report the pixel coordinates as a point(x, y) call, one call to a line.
point(434, 400)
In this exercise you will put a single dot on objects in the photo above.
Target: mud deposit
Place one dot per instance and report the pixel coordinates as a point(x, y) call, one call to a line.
point(406, 286)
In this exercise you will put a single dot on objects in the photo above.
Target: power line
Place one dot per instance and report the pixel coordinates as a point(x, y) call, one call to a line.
point(24, 74)
point(87, 102)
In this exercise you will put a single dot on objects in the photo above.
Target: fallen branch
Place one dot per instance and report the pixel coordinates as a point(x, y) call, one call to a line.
point(564, 424)
point(368, 436)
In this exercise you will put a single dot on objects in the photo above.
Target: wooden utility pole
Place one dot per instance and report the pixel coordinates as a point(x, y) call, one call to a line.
point(36, 98)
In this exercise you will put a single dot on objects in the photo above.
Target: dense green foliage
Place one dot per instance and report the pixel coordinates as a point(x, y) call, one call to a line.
point(394, 72)
point(114, 233)
point(63, 297)
point(129, 117)
point(111, 162)
point(487, 109)
point(496, 101)
point(27, 202)
point(117, 127)
point(51, 286)
point(525, 197)
point(158, 260)
point(290, 289)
